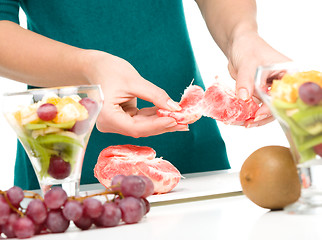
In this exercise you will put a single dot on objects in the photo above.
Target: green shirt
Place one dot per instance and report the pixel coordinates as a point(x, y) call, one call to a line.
point(152, 36)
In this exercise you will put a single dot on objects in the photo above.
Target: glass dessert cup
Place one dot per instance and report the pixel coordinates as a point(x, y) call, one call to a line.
point(54, 126)
point(281, 88)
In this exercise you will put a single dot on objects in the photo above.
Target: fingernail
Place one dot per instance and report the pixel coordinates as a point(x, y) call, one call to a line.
point(172, 124)
point(252, 125)
point(260, 117)
point(243, 94)
point(173, 105)
point(184, 129)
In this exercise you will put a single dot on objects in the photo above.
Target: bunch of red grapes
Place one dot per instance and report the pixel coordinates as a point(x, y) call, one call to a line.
point(53, 213)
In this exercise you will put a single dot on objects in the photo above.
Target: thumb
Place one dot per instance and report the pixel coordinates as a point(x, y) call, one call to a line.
point(147, 91)
point(245, 81)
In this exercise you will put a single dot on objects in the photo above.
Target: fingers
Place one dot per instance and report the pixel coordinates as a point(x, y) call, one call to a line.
point(143, 124)
point(152, 93)
point(245, 81)
point(262, 117)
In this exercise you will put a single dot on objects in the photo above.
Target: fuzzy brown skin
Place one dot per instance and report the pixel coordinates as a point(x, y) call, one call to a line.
point(269, 177)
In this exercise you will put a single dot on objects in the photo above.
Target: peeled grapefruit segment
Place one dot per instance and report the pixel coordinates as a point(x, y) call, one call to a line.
point(218, 102)
point(222, 104)
point(190, 104)
point(136, 160)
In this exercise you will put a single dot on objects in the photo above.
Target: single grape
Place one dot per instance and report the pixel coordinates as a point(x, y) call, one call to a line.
point(132, 209)
point(56, 223)
point(55, 198)
point(310, 93)
point(73, 210)
point(133, 186)
point(47, 111)
point(15, 195)
point(58, 168)
point(92, 207)
point(318, 149)
point(7, 228)
point(40, 228)
point(116, 182)
point(90, 105)
point(147, 205)
point(4, 211)
point(110, 216)
point(24, 227)
point(84, 222)
point(80, 127)
point(37, 211)
point(149, 186)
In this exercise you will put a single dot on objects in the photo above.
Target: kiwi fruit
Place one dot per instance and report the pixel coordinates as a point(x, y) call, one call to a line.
point(35, 126)
point(269, 177)
point(284, 105)
point(310, 119)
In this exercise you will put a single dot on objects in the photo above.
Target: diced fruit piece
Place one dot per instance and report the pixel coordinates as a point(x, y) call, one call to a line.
point(284, 105)
point(64, 125)
point(29, 114)
point(41, 132)
point(310, 119)
point(58, 138)
point(310, 93)
point(70, 110)
point(35, 126)
point(80, 127)
point(318, 149)
point(90, 105)
point(47, 111)
point(58, 168)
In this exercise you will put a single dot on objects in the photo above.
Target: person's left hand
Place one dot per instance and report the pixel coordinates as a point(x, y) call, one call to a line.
point(247, 52)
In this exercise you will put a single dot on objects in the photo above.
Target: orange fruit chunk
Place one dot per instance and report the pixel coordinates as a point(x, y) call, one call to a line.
point(70, 110)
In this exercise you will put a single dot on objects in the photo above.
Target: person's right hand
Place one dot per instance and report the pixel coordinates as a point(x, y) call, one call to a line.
point(122, 85)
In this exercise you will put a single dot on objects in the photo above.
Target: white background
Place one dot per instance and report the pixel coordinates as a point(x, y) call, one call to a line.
point(291, 26)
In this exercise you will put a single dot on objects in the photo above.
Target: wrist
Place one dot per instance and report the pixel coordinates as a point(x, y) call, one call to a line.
point(88, 61)
point(239, 33)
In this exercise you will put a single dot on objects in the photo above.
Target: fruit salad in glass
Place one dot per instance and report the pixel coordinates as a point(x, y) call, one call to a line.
point(294, 95)
point(297, 99)
point(54, 126)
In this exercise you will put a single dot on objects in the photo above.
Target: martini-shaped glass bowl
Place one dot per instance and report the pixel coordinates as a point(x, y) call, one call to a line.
point(54, 125)
point(293, 93)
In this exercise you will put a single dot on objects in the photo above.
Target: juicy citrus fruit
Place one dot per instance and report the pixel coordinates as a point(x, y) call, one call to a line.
point(70, 110)
point(286, 89)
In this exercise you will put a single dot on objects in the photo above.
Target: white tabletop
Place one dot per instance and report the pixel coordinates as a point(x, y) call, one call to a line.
point(215, 215)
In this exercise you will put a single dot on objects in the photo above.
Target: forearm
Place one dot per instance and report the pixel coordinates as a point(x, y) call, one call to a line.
point(36, 60)
point(228, 19)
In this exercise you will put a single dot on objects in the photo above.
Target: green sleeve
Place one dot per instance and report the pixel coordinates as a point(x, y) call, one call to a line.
point(9, 10)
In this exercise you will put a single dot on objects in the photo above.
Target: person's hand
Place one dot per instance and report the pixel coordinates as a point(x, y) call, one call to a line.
point(247, 52)
point(122, 85)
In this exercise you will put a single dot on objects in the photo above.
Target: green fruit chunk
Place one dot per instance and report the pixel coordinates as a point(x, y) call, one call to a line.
point(310, 119)
point(65, 125)
point(284, 105)
point(310, 143)
point(307, 155)
point(58, 138)
point(295, 128)
point(35, 126)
